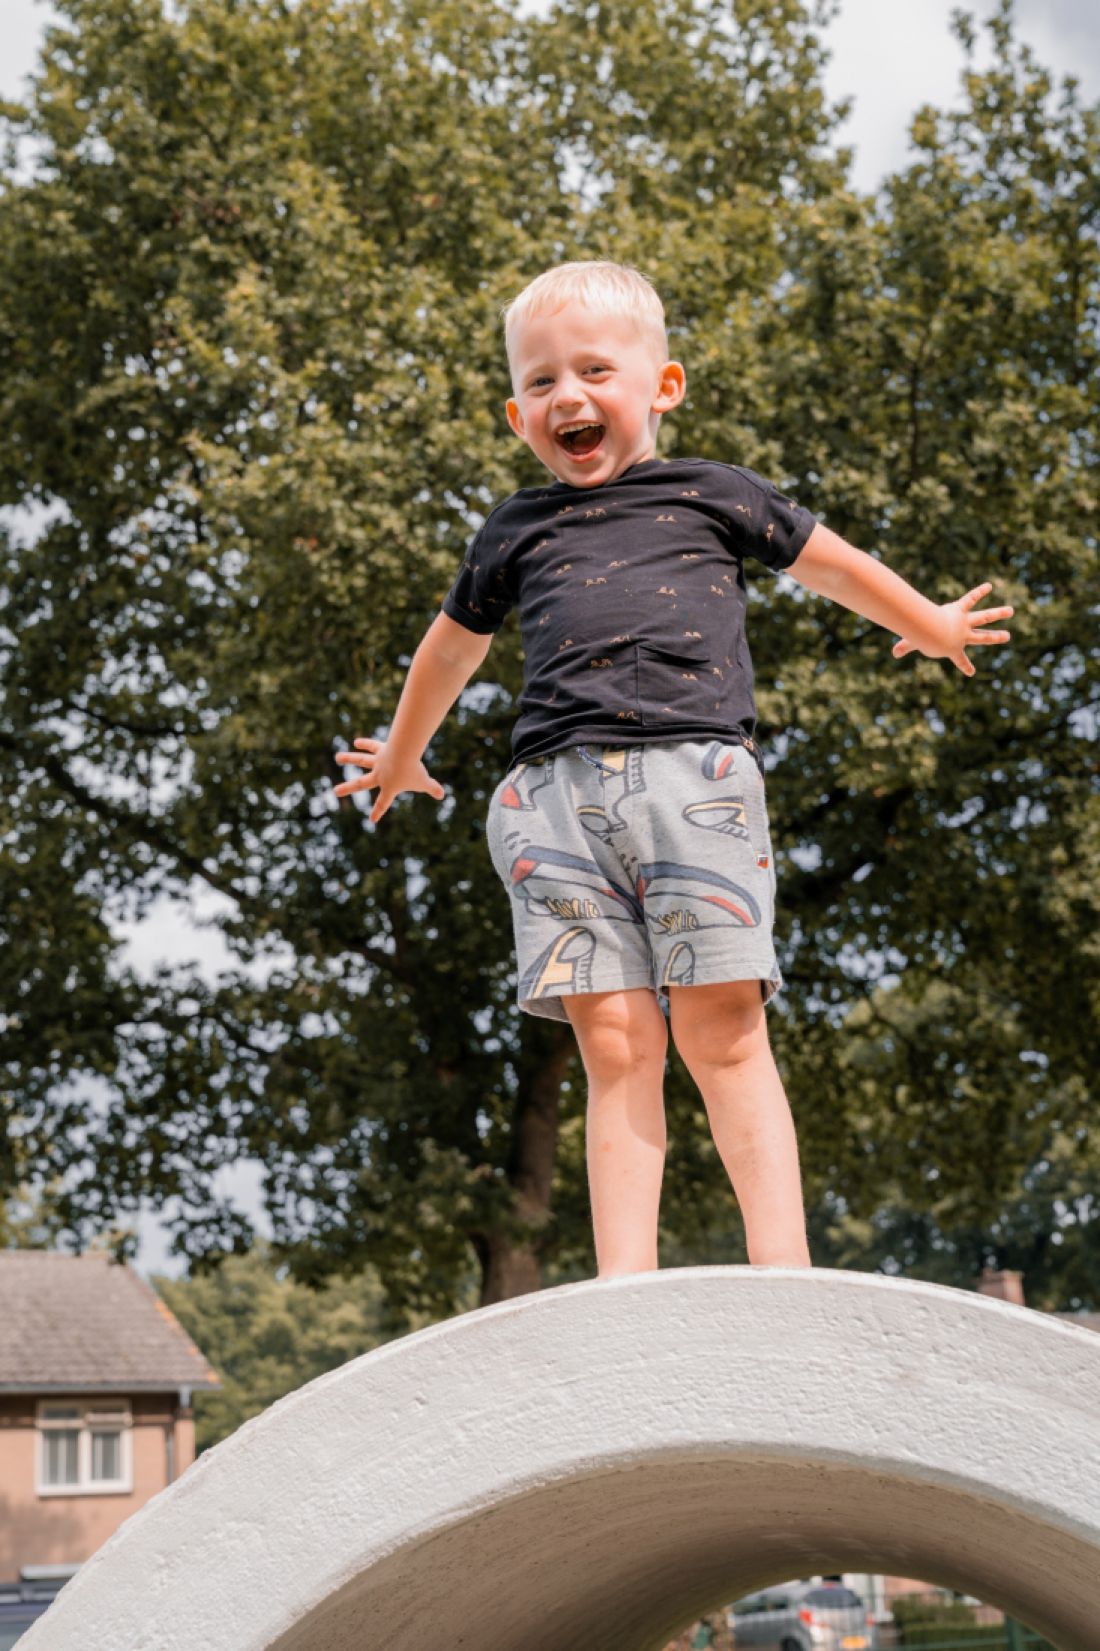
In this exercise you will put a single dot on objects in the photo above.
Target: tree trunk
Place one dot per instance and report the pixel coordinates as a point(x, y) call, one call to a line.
point(512, 1265)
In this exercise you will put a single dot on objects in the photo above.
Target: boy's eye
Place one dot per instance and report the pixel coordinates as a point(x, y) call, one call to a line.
point(600, 368)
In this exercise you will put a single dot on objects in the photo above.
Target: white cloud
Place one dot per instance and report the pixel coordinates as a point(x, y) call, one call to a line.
point(22, 30)
point(892, 55)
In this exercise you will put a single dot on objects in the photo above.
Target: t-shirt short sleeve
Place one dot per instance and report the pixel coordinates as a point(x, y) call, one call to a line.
point(481, 596)
point(766, 523)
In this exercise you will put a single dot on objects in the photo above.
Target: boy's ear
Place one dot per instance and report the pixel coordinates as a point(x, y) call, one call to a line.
point(515, 417)
point(672, 387)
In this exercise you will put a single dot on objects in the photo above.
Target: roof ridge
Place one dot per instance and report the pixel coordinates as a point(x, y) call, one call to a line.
point(91, 1325)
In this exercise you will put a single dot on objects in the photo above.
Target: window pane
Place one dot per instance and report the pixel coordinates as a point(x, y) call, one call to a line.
point(60, 1412)
point(106, 1456)
point(837, 1597)
point(61, 1456)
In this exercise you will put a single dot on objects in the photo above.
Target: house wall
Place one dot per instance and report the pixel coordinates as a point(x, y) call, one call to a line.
point(67, 1529)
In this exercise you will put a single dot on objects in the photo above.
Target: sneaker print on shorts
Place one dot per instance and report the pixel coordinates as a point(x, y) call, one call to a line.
point(632, 865)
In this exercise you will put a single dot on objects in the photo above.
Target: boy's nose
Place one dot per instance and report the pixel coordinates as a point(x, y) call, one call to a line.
point(570, 392)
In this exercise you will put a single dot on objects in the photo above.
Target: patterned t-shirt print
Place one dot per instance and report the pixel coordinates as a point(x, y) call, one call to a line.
point(650, 582)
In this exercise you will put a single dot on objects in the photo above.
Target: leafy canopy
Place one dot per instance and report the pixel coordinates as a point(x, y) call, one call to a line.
point(250, 351)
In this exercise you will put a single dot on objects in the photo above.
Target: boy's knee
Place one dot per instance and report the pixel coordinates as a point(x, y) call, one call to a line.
point(618, 1031)
point(718, 1025)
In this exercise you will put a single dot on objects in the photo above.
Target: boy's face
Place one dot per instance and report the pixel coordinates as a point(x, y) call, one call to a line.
point(580, 367)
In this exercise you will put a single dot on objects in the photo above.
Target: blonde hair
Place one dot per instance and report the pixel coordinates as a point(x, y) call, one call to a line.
point(600, 284)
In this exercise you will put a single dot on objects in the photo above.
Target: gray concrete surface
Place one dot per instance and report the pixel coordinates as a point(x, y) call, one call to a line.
point(596, 1465)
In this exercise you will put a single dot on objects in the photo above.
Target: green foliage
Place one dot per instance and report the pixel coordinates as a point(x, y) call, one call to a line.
point(266, 1335)
point(925, 1622)
point(28, 1222)
point(915, 1614)
point(250, 347)
point(952, 1637)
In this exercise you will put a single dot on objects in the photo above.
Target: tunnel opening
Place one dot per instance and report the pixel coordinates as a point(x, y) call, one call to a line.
point(623, 1558)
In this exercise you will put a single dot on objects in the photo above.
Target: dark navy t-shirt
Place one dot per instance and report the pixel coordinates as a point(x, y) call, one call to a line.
point(631, 599)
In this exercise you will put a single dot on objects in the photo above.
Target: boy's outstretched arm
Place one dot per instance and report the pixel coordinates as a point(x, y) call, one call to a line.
point(446, 659)
point(830, 566)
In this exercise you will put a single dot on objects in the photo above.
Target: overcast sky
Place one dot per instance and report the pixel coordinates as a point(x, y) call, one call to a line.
point(889, 55)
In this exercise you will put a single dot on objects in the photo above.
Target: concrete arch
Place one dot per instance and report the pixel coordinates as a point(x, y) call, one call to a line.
point(596, 1464)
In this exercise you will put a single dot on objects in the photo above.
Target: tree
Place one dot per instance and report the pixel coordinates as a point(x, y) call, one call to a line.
point(266, 1335)
point(28, 1222)
point(249, 338)
point(953, 829)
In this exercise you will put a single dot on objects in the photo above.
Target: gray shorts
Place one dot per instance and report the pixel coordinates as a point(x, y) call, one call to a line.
point(637, 865)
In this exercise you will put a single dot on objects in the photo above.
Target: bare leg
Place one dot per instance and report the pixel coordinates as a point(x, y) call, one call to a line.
point(721, 1034)
point(623, 1042)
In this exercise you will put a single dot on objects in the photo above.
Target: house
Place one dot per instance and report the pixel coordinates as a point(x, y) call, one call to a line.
point(96, 1378)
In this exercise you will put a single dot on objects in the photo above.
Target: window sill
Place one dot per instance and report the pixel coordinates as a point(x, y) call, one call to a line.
point(111, 1489)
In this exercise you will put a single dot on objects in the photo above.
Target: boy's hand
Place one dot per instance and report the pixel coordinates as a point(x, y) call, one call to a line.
point(958, 630)
point(385, 769)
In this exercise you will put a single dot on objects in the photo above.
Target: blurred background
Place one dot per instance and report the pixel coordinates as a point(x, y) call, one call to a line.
point(252, 377)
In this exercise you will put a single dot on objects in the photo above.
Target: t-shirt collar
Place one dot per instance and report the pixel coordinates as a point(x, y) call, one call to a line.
point(631, 470)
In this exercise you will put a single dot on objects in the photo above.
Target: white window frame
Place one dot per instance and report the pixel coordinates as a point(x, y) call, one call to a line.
point(105, 1414)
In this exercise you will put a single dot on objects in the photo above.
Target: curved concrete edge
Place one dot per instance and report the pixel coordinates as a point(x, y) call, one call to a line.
point(599, 1462)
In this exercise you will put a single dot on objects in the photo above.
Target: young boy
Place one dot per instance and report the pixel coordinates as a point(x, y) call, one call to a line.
point(631, 830)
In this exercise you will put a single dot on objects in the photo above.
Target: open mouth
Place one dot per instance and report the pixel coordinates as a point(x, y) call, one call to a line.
point(583, 441)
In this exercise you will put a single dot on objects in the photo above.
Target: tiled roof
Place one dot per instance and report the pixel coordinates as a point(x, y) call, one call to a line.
point(88, 1321)
point(1088, 1321)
